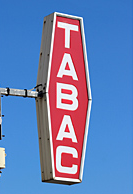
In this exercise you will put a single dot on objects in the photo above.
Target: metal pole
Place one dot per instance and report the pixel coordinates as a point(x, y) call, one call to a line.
point(18, 92)
point(13, 92)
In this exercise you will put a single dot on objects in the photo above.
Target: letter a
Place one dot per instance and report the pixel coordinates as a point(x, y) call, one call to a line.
point(66, 121)
point(62, 71)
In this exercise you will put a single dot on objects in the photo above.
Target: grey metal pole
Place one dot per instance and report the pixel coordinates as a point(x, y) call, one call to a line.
point(18, 92)
point(12, 92)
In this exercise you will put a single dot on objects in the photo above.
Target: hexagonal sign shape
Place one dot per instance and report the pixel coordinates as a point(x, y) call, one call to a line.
point(63, 106)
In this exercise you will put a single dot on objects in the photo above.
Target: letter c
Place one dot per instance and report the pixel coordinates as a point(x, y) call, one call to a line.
point(66, 150)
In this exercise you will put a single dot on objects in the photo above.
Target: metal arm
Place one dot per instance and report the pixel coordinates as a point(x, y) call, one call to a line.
point(12, 92)
point(18, 92)
point(15, 92)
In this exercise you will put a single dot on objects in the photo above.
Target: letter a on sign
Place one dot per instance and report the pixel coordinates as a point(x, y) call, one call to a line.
point(63, 106)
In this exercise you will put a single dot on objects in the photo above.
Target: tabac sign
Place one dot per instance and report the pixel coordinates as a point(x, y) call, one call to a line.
point(63, 110)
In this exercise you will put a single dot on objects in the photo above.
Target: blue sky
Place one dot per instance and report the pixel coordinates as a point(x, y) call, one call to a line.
point(108, 31)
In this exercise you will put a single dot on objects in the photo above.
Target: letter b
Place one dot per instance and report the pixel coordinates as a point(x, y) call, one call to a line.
point(71, 97)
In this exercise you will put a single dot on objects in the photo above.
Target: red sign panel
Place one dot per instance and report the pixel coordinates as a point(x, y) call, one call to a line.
point(68, 98)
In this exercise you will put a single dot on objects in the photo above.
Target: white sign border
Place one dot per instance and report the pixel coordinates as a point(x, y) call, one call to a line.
point(89, 98)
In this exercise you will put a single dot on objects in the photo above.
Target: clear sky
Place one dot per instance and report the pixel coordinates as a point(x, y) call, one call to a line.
point(108, 32)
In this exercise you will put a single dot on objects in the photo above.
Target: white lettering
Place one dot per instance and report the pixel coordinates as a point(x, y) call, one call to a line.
point(71, 97)
point(62, 134)
point(66, 150)
point(67, 28)
point(62, 71)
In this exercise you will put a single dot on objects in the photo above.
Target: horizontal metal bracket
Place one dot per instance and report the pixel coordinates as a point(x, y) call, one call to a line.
point(18, 92)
